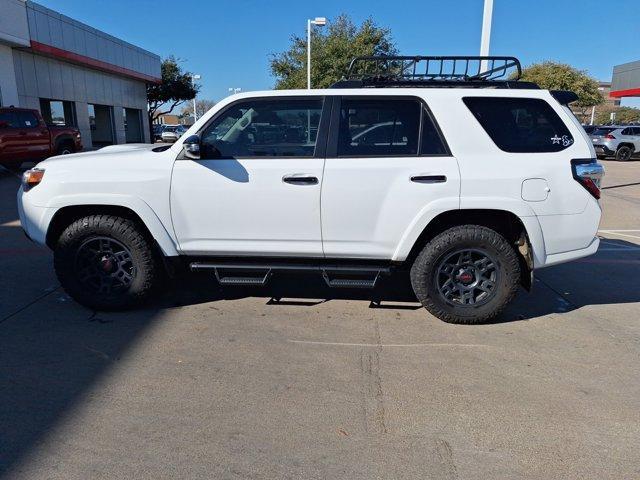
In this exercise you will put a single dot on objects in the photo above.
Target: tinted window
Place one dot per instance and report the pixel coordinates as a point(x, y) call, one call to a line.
point(264, 128)
point(626, 131)
point(8, 120)
point(520, 125)
point(372, 127)
point(431, 143)
point(602, 131)
point(27, 120)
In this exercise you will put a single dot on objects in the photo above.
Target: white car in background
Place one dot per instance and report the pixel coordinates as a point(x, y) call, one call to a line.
point(171, 133)
point(465, 183)
point(621, 142)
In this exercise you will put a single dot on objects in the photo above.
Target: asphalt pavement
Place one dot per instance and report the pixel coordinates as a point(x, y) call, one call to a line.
point(232, 384)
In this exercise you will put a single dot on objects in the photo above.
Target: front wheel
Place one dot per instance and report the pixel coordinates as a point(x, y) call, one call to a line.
point(106, 262)
point(467, 274)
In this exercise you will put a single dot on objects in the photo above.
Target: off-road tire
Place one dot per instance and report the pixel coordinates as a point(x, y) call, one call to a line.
point(65, 148)
point(423, 272)
point(147, 262)
point(624, 153)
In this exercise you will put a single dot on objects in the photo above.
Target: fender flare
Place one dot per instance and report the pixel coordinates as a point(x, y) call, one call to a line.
point(64, 137)
point(162, 235)
point(518, 208)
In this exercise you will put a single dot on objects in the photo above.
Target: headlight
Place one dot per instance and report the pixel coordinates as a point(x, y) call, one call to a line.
point(32, 178)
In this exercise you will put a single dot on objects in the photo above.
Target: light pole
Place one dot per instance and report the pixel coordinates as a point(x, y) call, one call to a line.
point(486, 33)
point(195, 114)
point(320, 22)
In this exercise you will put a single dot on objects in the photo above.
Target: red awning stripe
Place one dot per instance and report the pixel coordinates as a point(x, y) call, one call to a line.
point(631, 92)
point(89, 62)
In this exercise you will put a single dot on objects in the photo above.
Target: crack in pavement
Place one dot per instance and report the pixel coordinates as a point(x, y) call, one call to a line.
point(32, 302)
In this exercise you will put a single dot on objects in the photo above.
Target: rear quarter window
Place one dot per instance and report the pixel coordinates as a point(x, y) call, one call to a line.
point(520, 125)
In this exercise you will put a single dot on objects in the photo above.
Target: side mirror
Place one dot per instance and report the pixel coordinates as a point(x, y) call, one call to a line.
point(192, 147)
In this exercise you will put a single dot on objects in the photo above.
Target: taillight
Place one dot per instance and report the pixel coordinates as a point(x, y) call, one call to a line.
point(609, 136)
point(588, 173)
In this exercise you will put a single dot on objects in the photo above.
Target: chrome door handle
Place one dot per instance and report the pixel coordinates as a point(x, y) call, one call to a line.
point(429, 178)
point(300, 179)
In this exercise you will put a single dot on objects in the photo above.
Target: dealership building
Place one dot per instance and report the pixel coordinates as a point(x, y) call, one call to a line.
point(74, 74)
point(626, 80)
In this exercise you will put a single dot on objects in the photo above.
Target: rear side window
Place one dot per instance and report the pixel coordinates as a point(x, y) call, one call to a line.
point(372, 127)
point(385, 127)
point(27, 120)
point(520, 125)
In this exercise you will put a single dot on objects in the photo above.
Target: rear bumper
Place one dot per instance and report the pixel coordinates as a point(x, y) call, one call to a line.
point(603, 150)
point(563, 257)
point(568, 237)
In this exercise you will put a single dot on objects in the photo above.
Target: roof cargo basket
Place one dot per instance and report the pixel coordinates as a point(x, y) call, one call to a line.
point(426, 71)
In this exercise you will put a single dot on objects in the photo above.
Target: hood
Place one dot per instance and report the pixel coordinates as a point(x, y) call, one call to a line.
point(112, 153)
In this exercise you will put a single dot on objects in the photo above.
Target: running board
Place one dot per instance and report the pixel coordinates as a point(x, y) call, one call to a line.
point(256, 277)
point(335, 276)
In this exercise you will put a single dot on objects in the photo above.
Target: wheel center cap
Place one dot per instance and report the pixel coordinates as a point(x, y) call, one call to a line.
point(107, 264)
point(465, 277)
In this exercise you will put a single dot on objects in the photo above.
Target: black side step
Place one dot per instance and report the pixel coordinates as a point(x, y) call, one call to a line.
point(225, 276)
point(335, 276)
point(362, 278)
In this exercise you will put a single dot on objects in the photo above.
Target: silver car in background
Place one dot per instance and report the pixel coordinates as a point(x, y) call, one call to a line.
point(172, 133)
point(621, 141)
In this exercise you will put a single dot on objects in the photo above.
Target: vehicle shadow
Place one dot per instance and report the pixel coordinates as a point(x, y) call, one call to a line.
point(601, 279)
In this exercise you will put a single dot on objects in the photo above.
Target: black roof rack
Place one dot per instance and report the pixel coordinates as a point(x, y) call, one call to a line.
point(427, 71)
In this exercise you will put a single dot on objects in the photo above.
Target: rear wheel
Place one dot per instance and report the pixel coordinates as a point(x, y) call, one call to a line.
point(624, 153)
point(65, 148)
point(467, 274)
point(106, 262)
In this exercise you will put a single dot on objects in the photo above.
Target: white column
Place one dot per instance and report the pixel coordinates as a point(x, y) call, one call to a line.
point(308, 54)
point(486, 31)
point(8, 84)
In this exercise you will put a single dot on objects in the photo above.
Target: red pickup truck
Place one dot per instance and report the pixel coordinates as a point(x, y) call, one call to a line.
point(24, 136)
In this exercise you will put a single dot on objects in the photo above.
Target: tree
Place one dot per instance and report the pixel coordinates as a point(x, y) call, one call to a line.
point(202, 107)
point(623, 115)
point(331, 53)
point(174, 88)
point(560, 76)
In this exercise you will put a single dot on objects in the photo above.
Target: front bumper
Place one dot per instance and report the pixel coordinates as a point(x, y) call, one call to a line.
point(34, 220)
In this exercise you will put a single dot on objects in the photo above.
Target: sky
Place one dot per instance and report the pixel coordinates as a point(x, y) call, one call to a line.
point(229, 42)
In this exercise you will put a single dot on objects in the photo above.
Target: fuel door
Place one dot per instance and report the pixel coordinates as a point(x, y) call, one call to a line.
point(535, 190)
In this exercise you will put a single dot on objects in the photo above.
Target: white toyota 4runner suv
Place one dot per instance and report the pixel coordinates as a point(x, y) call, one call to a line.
point(447, 167)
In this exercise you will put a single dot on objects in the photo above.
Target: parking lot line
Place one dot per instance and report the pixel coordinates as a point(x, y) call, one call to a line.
point(13, 223)
point(387, 345)
point(615, 232)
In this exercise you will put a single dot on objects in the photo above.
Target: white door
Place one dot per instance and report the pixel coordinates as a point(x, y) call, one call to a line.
point(256, 190)
point(386, 166)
